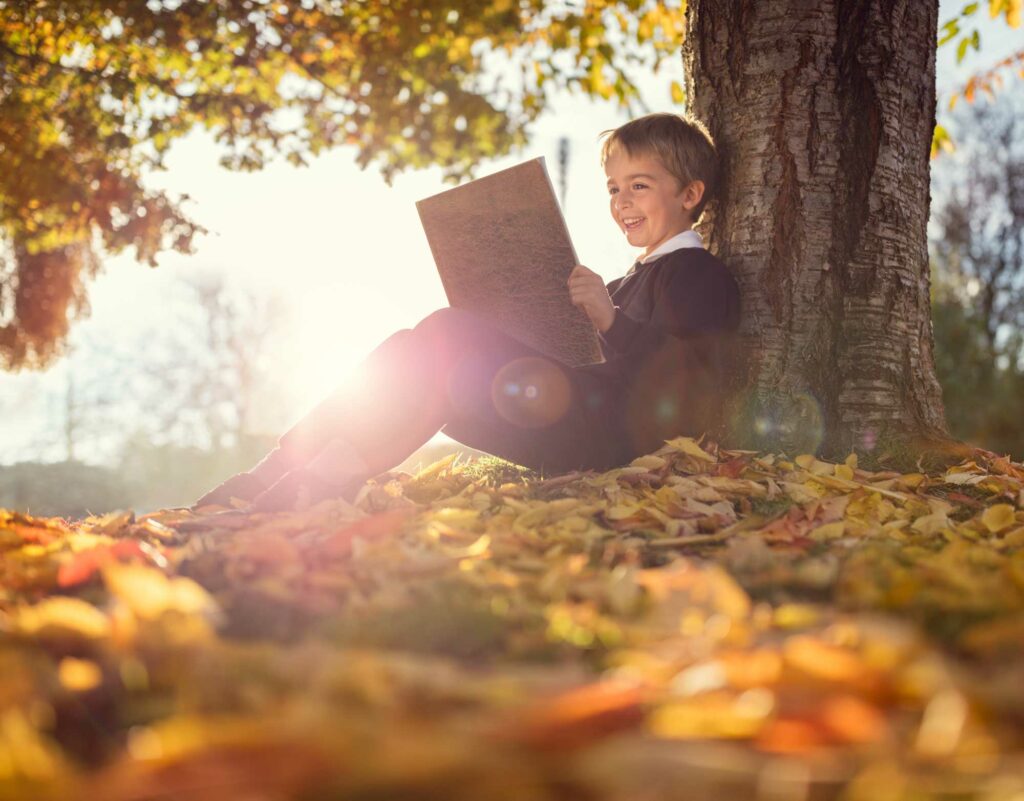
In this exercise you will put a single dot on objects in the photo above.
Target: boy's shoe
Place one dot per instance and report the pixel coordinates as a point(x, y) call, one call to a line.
point(337, 471)
point(300, 489)
point(244, 486)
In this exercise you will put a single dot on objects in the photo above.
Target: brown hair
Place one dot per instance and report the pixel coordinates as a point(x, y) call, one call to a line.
point(682, 145)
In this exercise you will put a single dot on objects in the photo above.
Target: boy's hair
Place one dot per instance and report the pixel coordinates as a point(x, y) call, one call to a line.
point(682, 145)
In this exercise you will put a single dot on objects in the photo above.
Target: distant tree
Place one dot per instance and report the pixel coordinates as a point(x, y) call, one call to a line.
point(226, 375)
point(65, 489)
point(978, 220)
point(977, 246)
point(982, 395)
point(93, 93)
point(200, 377)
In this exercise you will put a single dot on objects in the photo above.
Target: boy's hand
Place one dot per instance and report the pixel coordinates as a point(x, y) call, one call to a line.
point(587, 290)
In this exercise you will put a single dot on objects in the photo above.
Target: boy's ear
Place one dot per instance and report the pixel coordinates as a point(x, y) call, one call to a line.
point(692, 193)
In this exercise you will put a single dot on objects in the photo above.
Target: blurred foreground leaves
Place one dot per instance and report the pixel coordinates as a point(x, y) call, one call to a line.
point(700, 624)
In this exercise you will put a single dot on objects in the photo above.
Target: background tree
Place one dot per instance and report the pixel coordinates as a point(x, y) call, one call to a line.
point(200, 401)
point(977, 245)
point(93, 93)
point(979, 240)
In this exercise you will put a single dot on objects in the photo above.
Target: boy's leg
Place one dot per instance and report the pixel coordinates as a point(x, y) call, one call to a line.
point(486, 389)
point(458, 371)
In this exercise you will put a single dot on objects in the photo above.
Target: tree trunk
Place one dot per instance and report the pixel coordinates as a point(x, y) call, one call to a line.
point(823, 112)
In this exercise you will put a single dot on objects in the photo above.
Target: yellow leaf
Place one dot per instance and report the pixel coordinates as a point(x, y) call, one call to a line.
point(149, 593)
point(79, 675)
point(1014, 538)
point(435, 469)
point(714, 715)
point(998, 517)
point(688, 446)
point(829, 531)
point(1011, 9)
point(728, 597)
point(802, 493)
point(930, 524)
point(678, 95)
point(823, 660)
point(813, 465)
point(844, 471)
point(62, 616)
point(912, 479)
point(796, 616)
point(621, 512)
point(650, 462)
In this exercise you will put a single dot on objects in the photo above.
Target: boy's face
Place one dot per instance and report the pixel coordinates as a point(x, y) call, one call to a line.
point(646, 200)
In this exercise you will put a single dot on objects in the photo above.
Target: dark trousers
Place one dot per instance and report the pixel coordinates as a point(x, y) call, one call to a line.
point(457, 373)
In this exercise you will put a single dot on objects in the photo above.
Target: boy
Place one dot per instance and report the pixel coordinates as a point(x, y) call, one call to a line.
point(666, 330)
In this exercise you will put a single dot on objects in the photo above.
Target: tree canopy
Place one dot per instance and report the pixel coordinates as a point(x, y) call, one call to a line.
point(93, 94)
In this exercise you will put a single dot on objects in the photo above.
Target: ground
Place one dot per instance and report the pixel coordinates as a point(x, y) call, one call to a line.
point(703, 623)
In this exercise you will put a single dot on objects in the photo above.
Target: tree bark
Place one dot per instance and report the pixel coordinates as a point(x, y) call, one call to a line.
point(823, 111)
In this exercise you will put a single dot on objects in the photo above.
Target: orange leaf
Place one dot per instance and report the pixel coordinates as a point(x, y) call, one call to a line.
point(791, 736)
point(371, 527)
point(83, 566)
point(581, 716)
point(851, 720)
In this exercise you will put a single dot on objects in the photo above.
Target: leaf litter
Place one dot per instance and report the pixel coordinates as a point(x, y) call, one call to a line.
point(701, 623)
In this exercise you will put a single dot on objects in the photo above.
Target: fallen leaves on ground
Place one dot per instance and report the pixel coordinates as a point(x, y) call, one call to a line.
point(699, 624)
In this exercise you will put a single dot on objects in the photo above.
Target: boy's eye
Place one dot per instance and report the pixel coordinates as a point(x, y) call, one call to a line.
point(639, 186)
point(612, 190)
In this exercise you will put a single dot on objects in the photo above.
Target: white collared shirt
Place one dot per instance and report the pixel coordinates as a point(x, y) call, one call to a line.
point(684, 239)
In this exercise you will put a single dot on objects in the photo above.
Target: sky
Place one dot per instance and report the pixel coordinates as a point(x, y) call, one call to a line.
point(342, 250)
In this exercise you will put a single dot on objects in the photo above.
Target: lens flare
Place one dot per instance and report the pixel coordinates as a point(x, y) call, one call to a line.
point(808, 422)
point(531, 392)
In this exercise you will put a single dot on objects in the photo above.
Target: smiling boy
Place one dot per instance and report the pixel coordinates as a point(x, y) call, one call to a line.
point(665, 328)
point(668, 326)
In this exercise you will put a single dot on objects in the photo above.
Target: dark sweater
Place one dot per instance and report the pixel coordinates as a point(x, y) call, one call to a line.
point(673, 344)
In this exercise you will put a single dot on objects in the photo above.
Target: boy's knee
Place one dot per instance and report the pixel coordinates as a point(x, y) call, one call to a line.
point(448, 321)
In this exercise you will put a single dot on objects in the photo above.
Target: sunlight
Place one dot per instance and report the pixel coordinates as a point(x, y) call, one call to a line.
point(335, 329)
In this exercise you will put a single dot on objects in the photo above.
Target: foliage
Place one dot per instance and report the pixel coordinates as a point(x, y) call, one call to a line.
point(982, 397)
point(203, 381)
point(953, 30)
point(174, 474)
point(961, 30)
point(978, 219)
point(669, 629)
point(93, 94)
point(977, 246)
point(64, 489)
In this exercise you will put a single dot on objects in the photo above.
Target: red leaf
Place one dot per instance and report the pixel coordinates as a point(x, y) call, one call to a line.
point(85, 564)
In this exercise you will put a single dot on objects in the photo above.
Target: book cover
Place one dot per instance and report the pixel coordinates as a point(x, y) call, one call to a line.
point(502, 250)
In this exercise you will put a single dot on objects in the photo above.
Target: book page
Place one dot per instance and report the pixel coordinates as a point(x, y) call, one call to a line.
point(502, 250)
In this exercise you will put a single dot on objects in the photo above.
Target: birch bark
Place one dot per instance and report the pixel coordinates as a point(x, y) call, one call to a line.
point(823, 113)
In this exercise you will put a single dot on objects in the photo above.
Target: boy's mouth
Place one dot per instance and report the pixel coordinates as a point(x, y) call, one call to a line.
point(631, 223)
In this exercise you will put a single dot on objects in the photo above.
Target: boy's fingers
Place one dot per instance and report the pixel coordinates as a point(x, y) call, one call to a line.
point(580, 270)
point(586, 280)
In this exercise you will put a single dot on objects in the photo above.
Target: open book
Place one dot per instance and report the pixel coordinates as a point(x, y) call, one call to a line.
point(503, 251)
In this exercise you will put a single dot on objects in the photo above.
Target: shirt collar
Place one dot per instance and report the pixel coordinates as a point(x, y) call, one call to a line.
point(684, 239)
